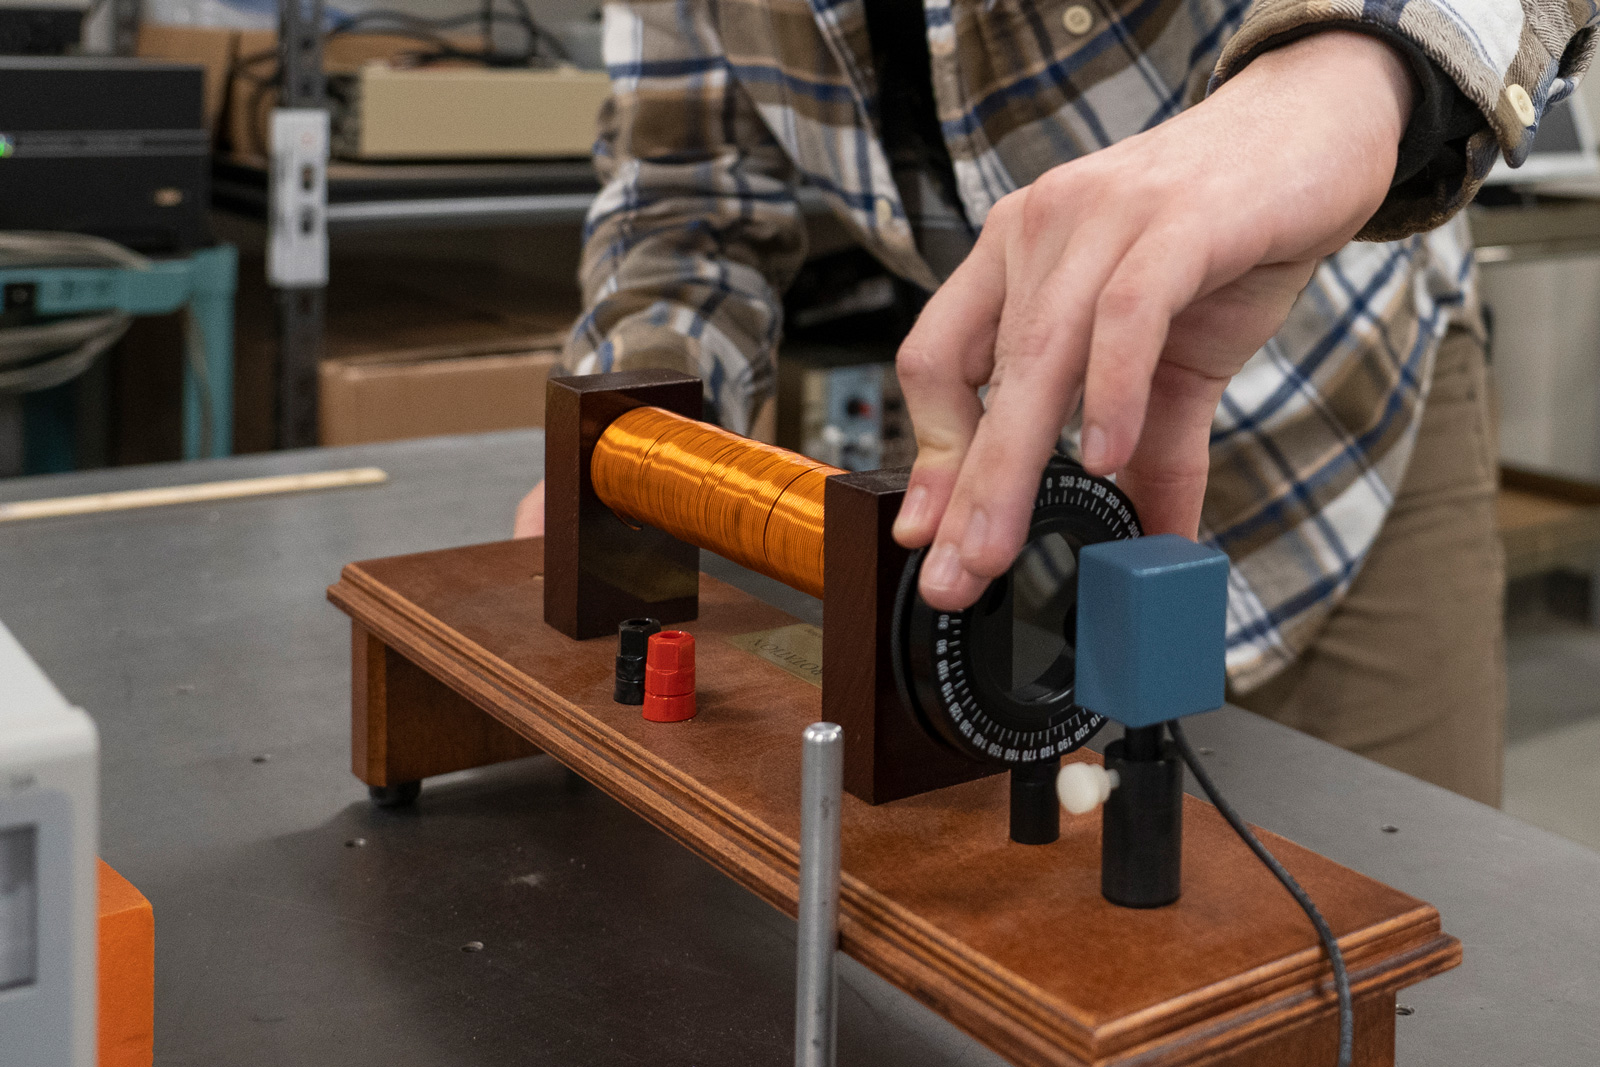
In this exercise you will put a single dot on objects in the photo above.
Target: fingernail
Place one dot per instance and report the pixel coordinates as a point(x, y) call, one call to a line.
point(942, 567)
point(972, 542)
point(913, 510)
point(1094, 447)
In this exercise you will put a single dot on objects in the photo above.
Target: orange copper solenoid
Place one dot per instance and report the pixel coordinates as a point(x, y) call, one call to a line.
point(756, 504)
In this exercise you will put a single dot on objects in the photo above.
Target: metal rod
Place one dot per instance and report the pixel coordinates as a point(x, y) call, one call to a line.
point(816, 983)
point(530, 208)
point(301, 78)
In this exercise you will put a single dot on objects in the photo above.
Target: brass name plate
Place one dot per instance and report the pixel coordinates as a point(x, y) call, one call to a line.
point(797, 649)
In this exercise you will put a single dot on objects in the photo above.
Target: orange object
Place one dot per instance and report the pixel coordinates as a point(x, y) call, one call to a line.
point(756, 504)
point(127, 987)
point(669, 677)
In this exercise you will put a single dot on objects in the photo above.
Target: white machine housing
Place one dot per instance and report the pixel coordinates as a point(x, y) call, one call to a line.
point(49, 825)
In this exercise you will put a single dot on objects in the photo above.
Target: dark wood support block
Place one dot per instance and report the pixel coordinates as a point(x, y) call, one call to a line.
point(887, 754)
point(1012, 943)
point(405, 725)
point(603, 571)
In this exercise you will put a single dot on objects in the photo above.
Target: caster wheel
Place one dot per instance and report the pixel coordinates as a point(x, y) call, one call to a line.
point(398, 795)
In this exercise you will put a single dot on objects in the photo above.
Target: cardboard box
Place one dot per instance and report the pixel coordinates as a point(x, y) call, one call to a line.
point(213, 49)
point(425, 294)
point(424, 392)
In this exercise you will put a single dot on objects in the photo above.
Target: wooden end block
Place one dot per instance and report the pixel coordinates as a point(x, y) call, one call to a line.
point(887, 753)
point(598, 570)
point(127, 985)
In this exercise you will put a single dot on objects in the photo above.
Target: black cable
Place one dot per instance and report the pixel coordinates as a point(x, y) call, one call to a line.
point(485, 16)
point(443, 49)
point(539, 33)
point(1341, 980)
point(255, 118)
point(244, 63)
point(419, 28)
point(428, 29)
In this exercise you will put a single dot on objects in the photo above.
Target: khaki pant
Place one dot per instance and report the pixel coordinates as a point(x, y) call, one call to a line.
point(1410, 669)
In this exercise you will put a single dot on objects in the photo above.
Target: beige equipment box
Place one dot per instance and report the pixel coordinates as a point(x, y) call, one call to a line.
point(439, 112)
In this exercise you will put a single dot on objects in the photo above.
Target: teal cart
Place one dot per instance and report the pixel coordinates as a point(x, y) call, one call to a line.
point(203, 283)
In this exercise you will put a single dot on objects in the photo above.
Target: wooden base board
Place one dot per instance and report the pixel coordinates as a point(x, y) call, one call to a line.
point(1013, 943)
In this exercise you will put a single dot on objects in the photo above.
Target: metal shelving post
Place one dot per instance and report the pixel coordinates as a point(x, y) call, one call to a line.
point(298, 219)
point(125, 16)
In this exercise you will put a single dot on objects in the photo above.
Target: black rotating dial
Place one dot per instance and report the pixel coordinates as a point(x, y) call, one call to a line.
point(995, 681)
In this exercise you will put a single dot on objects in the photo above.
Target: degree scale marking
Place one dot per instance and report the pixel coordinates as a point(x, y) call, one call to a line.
point(1086, 496)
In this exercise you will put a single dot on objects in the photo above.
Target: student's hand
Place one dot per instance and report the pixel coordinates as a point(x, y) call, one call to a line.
point(530, 514)
point(1138, 279)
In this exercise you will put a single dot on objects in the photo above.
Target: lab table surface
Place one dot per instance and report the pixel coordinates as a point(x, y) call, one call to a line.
point(518, 915)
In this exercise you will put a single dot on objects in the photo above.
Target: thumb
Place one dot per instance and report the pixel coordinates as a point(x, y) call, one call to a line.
point(530, 514)
point(1166, 476)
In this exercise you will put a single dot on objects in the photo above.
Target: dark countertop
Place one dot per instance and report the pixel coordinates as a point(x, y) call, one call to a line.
point(298, 926)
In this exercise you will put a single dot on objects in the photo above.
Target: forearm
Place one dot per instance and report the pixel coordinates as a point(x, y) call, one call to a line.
point(1500, 64)
point(1367, 82)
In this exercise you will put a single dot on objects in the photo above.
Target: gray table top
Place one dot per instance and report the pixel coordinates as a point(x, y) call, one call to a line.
point(298, 926)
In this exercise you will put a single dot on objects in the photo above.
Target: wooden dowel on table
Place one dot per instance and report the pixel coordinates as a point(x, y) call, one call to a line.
point(194, 493)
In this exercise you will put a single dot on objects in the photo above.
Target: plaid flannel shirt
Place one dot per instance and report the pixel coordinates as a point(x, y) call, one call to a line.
point(720, 107)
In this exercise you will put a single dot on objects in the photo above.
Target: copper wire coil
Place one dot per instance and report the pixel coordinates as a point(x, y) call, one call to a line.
point(758, 505)
point(794, 530)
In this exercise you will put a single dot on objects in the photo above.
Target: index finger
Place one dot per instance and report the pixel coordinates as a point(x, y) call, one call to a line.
point(944, 360)
point(1044, 346)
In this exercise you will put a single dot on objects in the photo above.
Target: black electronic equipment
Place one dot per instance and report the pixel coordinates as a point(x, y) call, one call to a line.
point(111, 147)
point(41, 30)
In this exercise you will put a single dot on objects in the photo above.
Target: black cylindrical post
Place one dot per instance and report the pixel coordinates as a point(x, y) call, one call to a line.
point(1141, 847)
point(633, 643)
point(1035, 811)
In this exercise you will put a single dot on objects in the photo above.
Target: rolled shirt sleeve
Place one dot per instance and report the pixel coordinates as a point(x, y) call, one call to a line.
point(696, 229)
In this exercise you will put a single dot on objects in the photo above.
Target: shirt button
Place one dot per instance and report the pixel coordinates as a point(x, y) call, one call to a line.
point(884, 210)
point(1077, 19)
point(1521, 103)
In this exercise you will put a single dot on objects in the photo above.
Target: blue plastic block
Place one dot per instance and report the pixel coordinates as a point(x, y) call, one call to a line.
point(1152, 612)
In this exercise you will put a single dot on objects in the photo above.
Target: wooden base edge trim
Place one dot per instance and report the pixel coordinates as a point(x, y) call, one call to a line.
point(1222, 1035)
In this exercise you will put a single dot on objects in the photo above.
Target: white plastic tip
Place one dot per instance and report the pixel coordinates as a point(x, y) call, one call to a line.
point(1083, 787)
